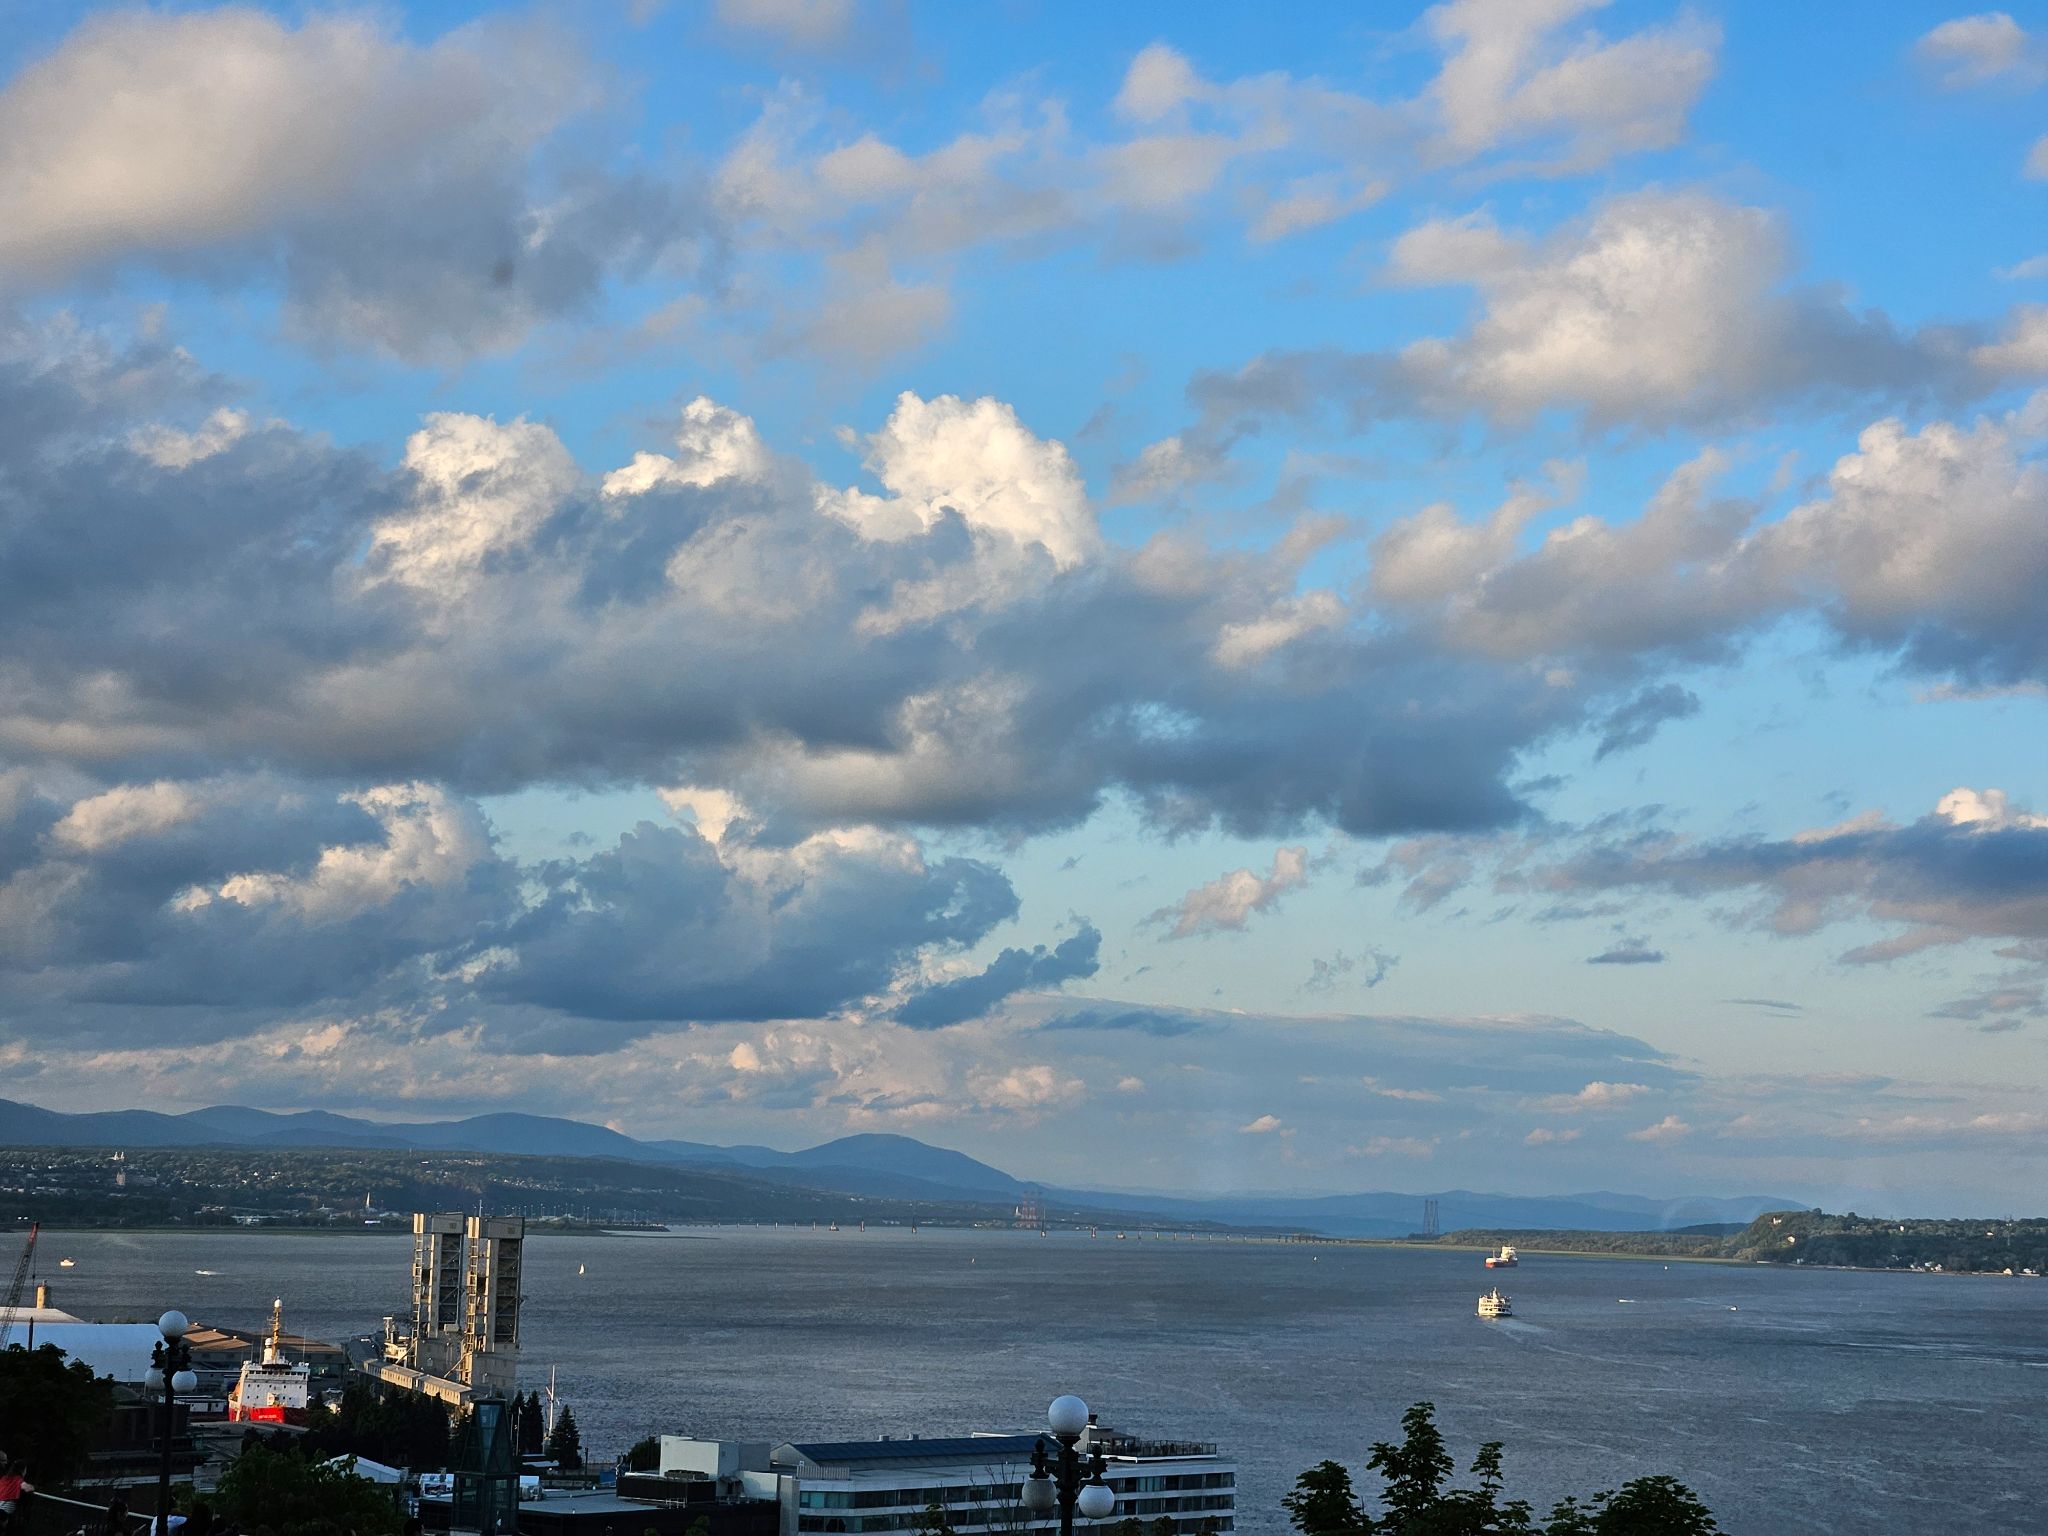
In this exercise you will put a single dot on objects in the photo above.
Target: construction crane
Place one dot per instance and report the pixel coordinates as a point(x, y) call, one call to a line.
point(12, 1304)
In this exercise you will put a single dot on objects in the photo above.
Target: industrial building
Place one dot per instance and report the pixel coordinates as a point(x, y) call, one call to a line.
point(462, 1338)
point(844, 1487)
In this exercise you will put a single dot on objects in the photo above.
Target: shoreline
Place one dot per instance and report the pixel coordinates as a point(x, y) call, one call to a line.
point(701, 1230)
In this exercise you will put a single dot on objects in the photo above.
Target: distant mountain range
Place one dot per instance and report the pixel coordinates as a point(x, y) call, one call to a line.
point(877, 1166)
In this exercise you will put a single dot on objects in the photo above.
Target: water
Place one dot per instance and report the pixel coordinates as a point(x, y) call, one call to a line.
point(1791, 1400)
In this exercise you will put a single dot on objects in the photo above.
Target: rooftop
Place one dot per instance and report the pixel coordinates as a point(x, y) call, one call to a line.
point(977, 1448)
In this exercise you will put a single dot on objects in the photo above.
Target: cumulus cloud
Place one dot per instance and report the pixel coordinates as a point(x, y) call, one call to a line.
point(257, 896)
point(1547, 1136)
point(1598, 1095)
point(1229, 901)
point(1925, 543)
point(1519, 78)
point(1659, 308)
point(1669, 1129)
point(126, 811)
point(1265, 1125)
point(386, 186)
point(959, 645)
point(1978, 50)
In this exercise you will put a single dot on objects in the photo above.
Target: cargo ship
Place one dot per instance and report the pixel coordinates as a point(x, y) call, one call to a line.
point(1505, 1259)
point(272, 1390)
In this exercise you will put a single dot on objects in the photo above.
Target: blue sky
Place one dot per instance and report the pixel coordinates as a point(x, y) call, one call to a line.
point(1357, 597)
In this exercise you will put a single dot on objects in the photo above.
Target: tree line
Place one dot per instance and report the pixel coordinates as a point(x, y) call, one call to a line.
point(1417, 1498)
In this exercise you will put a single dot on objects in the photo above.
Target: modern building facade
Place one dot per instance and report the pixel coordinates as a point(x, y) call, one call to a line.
point(856, 1487)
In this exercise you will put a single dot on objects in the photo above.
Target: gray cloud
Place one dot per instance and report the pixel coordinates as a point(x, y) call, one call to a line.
point(1634, 723)
point(1659, 309)
point(1976, 868)
point(388, 189)
point(1629, 951)
point(1012, 971)
point(207, 599)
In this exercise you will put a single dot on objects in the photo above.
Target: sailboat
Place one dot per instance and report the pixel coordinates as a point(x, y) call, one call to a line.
point(579, 1269)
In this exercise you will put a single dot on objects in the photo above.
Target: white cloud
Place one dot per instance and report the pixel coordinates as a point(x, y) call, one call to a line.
point(714, 444)
point(169, 448)
point(1975, 50)
point(710, 809)
point(1663, 302)
point(1247, 642)
point(975, 460)
point(1230, 900)
point(1516, 78)
point(481, 490)
point(1265, 1125)
point(1988, 810)
point(1598, 1095)
point(127, 811)
point(1669, 1129)
point(1545, 1136)
point(1028, 1090)
point(430, 839)
point(382, 183)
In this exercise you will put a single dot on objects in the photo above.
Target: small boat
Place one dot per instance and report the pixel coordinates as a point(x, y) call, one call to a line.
point(579, 1269)
point(66, 1263)
point(1505, 1259)
point(1493, 1304)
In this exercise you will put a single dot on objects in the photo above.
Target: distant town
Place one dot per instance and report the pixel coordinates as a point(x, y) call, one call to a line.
point(353, 1190)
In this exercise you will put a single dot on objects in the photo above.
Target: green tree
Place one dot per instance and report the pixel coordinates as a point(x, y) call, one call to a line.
point(1653, 1506)
point(1323, 1503)
point(565, 1445)
point(1568, 1517)
point(933, 1522)
point(1163, 1526)
point(52, 1413)
point(643, 1456)
point(533, 1428)
point(294, 1497)
point(1419, 1501)
point(1414, 1471)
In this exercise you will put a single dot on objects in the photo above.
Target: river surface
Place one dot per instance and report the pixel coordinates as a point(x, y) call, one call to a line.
point(1792, 1400)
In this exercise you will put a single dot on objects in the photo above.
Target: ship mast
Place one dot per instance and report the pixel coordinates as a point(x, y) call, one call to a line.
point(273, 1350)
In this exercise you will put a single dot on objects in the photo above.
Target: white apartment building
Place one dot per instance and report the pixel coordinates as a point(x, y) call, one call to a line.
point(856, 1487)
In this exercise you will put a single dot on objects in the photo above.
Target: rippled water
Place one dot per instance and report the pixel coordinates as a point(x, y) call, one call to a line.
point(1792, 1400)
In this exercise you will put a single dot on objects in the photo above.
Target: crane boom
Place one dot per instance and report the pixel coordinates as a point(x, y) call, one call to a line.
point(11, 1305)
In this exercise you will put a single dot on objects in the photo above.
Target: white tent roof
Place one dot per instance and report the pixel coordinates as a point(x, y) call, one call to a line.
point(375, 1471)
point(119, 1350)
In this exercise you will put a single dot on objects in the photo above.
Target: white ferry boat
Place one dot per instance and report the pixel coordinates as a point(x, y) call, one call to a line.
point(272, 1390)
point(1493, 1304)
point(1505, 1259)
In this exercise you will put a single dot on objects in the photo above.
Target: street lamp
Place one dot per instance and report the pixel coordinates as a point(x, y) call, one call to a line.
point(1067, 1479)
point(170, 1370)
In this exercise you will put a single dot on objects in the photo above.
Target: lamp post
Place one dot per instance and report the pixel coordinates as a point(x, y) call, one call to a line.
point(170, 1368)
point(1065, 1478)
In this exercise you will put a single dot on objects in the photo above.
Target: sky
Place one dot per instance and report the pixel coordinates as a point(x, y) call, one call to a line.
point(1329, 597)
